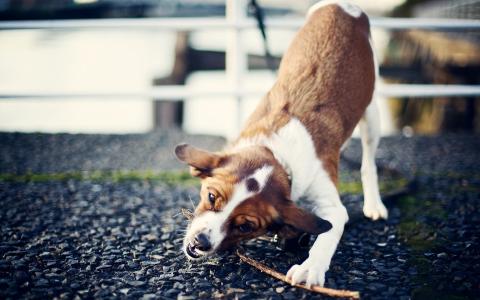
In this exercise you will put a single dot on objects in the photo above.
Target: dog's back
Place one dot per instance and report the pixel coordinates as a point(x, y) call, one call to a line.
point(326, 79)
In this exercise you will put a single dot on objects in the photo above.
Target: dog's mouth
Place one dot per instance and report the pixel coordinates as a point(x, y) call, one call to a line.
point(192, 252)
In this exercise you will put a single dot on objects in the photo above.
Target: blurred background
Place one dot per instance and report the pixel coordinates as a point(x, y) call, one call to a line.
point(98, 66)
point(96, 214)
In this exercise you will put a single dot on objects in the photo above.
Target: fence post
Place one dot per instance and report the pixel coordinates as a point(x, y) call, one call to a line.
point(169, 114)
point(235, 58)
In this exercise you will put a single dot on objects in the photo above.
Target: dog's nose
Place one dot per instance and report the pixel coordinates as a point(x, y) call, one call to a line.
point(202, 243)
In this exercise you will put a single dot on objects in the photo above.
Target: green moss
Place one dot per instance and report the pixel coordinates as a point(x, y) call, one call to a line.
point(355, 187)
point(412, 208)
point(420, 237)
point(169, 177)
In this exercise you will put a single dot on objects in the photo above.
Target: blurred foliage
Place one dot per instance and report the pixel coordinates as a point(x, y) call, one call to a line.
point(434, 57)
point(170, 177)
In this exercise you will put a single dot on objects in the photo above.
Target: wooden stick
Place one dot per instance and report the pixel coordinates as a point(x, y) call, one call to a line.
point(283, 277)
point(187, 214)
point(318, 289)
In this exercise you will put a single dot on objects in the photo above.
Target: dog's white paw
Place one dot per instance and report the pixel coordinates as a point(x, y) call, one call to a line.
point(309, 272)
point(375, 210)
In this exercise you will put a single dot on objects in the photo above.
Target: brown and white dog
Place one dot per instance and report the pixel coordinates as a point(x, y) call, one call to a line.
point(290, 147)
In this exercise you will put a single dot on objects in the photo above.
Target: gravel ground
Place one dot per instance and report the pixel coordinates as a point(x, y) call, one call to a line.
point(22, 153)
point(121, 239)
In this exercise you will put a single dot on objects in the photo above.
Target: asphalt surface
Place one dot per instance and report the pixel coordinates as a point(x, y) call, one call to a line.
point(22, 153)
point(103, 238)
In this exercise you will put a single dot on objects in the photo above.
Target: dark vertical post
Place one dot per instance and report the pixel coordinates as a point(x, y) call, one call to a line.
point(168, 113)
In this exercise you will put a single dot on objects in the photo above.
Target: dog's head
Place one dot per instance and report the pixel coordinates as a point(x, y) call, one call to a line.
point(243, 195)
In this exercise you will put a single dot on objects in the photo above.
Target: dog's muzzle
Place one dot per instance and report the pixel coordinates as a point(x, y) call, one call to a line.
point(198, 247)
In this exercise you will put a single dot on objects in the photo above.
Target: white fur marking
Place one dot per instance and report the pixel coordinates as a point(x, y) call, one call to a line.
point(211, 223)
point(349, 8)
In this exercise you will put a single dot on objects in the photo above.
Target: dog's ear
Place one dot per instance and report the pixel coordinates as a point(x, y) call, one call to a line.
point(201, 162)
point(295, 220)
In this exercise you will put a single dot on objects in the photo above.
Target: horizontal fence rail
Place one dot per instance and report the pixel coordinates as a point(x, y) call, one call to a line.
point(221, 23)
point(234, 22)
point(175, 92)
point(428, 90)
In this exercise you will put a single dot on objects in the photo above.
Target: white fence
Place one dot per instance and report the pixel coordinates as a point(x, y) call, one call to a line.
point(236, 57)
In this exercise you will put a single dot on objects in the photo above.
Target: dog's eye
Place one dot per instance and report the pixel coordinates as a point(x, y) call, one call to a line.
point(245, 227)
point(211, 198)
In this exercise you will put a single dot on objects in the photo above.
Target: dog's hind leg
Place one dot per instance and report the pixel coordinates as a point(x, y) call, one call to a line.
point(373, 206)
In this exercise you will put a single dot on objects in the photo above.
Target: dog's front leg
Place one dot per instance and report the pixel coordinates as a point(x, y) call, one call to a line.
point(312, 270)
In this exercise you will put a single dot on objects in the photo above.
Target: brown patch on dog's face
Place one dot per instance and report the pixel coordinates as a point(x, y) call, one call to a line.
point(249, 220)
point(270, 210)
point(219, 173)
point(217, 189)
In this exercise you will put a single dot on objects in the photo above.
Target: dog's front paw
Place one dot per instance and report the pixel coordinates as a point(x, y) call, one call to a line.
point(309, 272)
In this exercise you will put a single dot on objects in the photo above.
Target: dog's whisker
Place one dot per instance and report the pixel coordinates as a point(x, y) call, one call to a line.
point(187, 214)
point(191, 201)
point(176, 215)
